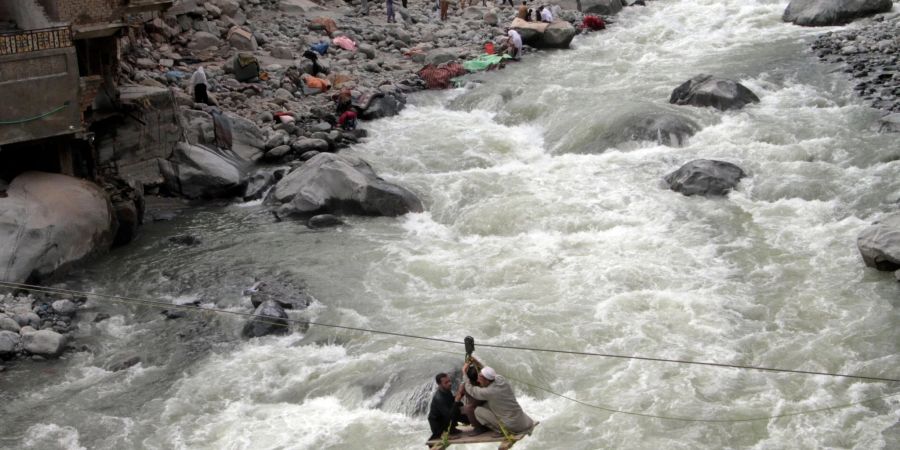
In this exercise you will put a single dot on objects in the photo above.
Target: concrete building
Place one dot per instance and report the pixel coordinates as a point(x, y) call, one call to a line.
point(56, 58)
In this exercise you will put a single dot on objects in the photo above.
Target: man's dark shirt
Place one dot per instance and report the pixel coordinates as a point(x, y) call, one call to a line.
point(443, 411)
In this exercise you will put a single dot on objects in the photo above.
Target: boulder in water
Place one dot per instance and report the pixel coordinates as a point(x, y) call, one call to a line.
point(324, 221)
point(48, 221)
point(705, 177)
point(819, 13)
point(890, 123)
point(269, 318)
point(383, 105)
point(879, 244)
point(204, 172)
point(558, 35)
point(287, 294)
point(707, 90)
point(329, 182)
point(663, 128)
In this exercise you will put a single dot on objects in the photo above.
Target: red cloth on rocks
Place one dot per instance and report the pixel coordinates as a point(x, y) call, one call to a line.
point(592, 23)
point(438, 77)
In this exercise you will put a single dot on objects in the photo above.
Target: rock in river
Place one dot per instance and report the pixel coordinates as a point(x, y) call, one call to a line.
point(707, 90)
point(329, 182)
point(269, 318)
point(880, 244)
point(705, 177)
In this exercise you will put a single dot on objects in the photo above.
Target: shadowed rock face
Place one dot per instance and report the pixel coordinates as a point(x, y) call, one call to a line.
point(705, 177)
point(639, 125)
point(879, 244)
point(337, 183)
point(603, 7)
point(818, 13)
point(48, 221)
point(707, 90)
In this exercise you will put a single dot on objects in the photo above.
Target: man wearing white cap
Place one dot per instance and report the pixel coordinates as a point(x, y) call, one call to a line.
point(500, 405)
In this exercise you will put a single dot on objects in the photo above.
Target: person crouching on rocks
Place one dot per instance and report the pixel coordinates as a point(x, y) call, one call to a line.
point(311, 85)
point(343, 100)
point(514, 44)
point(347, 121)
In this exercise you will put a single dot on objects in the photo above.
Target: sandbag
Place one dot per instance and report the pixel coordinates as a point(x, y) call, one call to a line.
point(245, 67)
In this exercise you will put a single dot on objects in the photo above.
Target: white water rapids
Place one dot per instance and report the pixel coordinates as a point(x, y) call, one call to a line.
point(529, 239)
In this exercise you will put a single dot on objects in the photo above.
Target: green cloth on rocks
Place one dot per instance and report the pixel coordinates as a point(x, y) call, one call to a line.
point(483, 62)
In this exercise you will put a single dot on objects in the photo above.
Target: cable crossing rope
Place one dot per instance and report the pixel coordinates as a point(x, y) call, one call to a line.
point(161, 304)
point(37, 117)
point(675, 418)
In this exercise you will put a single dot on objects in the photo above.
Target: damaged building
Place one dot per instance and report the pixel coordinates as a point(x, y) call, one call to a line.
point(59, 66)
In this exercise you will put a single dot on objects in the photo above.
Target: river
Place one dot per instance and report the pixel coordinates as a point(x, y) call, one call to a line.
point(533, 236)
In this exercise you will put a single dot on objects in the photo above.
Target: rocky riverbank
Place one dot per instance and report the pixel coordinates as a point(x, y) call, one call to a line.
point(871, 55)
point(382, 67)
point(36, 326)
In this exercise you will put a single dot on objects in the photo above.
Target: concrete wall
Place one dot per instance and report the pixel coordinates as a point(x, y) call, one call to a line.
point(82, 12)
point(33, 84)
point(27, 14)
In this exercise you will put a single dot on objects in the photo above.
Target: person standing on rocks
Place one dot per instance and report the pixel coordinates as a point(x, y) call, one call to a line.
point(390, 11)
point(444, 5)
point(199, 83)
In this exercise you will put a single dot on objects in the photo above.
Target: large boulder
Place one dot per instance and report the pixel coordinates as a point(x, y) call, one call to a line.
point(818, 13)
point(382, 105)
point(707, 90)
point(662, 127)
point(48, 221)
point(705, 177)
point(880, 244)
point(199, 171)
point(269, 318)
point(204, 40)
point(329, 183)
point(443, 55)
point(44, 343)
point(228, 7)
point(9, 344)
point(247, 140)
point(558, 35)
point(242, 39)
point(602, 7)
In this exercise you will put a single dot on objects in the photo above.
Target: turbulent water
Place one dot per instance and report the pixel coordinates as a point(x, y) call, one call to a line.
point(533, 236)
